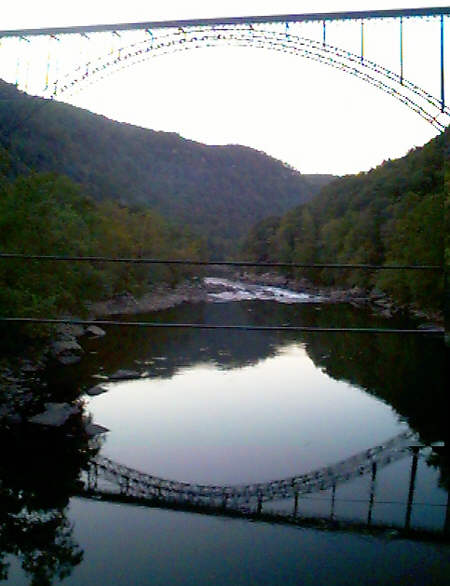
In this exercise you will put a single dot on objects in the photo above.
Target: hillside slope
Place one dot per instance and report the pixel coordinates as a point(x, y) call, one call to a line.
point(219, 191)
point(393, 214)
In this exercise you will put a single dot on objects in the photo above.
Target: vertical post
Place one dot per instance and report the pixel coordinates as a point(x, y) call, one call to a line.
point(372, 492)
point(95, 476)
point(446, 304)
point(412, 482)
point(401, 50)
point(447, 515)
point(295, 503)
point(92, 476)
point(333, 501)
point(362, 41)
point(324, 32)
point(442, 65)
point(259, 506)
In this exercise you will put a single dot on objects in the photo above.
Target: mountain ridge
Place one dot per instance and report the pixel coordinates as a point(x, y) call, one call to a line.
point(217, 190)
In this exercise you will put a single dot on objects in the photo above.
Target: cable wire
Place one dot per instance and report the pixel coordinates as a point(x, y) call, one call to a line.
point(237, 327)
point(232, 263)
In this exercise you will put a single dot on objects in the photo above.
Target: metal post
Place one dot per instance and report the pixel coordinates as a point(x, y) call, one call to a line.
point(372, 493)
point(95, 476)
point(259, 506)
point(324, 32)
point(446, 304)
point(362, 41)
point(333, 502)
point(401, 50)
point(447, 515)
point(442, 65)
point(295, 503)
point(412, 482)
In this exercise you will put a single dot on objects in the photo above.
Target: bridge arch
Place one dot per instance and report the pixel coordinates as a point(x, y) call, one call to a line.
point(170, 41)
point(144, 486)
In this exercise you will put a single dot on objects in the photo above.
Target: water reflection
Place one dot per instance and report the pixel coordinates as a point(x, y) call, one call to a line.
point(406, 372)
point(392, 383)
point(39, 472)
point(188, 404)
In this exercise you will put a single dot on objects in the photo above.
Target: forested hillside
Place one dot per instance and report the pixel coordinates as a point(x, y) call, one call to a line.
point(393, 214)
point(48, 214)
point(219, 191)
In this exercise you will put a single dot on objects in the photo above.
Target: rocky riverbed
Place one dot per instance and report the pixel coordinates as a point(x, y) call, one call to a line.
point(21, 376)
point(378, 301)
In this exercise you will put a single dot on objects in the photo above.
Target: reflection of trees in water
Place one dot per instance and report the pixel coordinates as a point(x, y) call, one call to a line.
point(406, 371)
point(38, 473)
point(44, 544)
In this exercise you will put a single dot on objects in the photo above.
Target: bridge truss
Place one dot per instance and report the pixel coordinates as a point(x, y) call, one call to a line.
point(58, 62)
point(145, 487)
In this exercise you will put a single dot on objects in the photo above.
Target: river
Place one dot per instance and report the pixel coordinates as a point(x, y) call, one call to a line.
point(226, 408)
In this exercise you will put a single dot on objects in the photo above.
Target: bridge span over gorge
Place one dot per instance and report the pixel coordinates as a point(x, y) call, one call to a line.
point(60, 61)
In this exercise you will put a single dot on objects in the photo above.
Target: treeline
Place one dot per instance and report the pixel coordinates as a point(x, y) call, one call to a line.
point(48, 214)
point(218, 191)
point(394, 214)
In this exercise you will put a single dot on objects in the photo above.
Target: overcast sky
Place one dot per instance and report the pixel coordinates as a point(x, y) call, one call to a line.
point(315, 118)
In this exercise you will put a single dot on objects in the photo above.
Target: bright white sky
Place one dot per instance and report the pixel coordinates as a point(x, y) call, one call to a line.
point(315, 118)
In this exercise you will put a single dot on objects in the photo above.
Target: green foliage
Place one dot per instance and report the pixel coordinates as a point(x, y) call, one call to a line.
point(218, 191)
point(394, 214)
point(46, 214)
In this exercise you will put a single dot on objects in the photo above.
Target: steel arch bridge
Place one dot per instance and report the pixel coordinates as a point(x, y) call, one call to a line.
point(76, 57)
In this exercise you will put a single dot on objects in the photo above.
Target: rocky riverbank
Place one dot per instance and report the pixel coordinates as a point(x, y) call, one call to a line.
point(20, 378)
point(158, 298)
point(378, 301)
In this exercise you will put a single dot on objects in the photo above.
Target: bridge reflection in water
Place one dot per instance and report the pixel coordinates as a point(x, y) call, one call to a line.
point(109, 480)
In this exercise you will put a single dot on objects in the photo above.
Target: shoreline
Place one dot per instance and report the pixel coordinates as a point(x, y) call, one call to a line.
point(378, 301)
point(21, 378)
point(158, 298)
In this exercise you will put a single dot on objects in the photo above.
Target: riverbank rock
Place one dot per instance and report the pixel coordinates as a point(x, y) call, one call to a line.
point(67, 351)
point(158, 298)
point(124, 374)
point(97, 390)
point(95, 331)
point(68, 332)
point(93, 429)
point(55, 414)
point(120, 303)
point(430, 326)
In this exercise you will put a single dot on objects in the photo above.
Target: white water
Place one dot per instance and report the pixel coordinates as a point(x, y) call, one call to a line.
point(240, 291)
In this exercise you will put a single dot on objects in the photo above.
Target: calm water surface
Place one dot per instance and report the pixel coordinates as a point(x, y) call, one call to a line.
point(241, 407)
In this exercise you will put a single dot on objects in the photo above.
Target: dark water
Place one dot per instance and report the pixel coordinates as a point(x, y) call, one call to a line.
point(230, 408)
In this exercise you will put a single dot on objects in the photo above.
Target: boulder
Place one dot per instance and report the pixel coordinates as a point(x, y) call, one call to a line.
point(386, 313)
point(123, 374)
point(97, 390)
point(62, 347)
point(68, 359)
point(93, 429)
point(67, 351)
point(70, 331)
point(55, 414)
point(428, 326)
point(95, 331)
point(377, 293)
